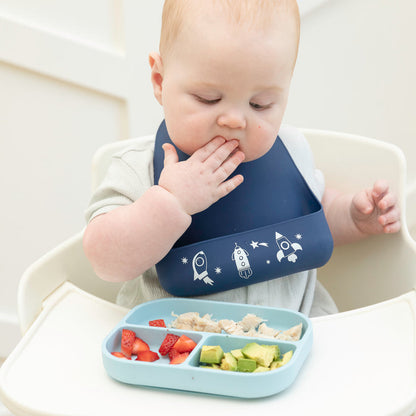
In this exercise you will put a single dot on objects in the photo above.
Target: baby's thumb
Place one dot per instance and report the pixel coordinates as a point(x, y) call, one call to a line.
point(171, 156)
point(362, 203)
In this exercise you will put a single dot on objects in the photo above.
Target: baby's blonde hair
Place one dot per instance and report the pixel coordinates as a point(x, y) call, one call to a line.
point(251, 13)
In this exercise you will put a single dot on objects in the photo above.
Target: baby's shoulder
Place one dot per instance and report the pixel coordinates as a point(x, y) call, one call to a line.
point(301, 153)
point(296, 143)
point(136, 152)
point(293, 138)
point(135, 146)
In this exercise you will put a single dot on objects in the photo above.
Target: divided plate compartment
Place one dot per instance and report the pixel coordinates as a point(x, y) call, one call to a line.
point(190, 375)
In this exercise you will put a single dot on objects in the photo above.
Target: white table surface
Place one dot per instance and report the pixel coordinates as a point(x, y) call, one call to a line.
point(362, 362)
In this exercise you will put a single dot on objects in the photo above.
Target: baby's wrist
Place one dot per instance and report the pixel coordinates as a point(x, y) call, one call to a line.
point(184, 205)
point(170, 201)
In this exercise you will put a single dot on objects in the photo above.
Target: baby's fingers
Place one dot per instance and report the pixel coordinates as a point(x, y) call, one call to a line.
point(228, 186)
point(171, 156)
point(392, 228)
point(380, 189)
point(229, 166)
point(206, 151)
point(362, 203)
point(388, 201)
point(390, 220)
point(222, 155)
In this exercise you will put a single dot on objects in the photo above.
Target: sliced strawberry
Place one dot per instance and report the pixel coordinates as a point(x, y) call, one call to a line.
point(184, 344)
point(139, 345)
point(147, 356)
point(127, 341)
point(168, 343)
point(180, 358)
point(119, 354)
point(158, 322)
point(173, 353)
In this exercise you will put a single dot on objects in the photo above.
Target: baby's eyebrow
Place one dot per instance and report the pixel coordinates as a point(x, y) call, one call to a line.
point(206, 85)
point(258, 89)
point(269, 88)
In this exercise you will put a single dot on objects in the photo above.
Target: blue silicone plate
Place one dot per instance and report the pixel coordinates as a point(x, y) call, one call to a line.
point(189, 375)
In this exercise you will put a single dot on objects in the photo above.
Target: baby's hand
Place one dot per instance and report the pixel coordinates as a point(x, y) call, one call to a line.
point(375, 210)
point(201, 180)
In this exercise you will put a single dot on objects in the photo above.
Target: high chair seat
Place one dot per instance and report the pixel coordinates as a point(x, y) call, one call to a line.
point(363, 359)
point(362, 362)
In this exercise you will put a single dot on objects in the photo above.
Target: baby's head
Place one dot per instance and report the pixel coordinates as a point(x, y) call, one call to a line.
point(224, 69)
point(241, 14)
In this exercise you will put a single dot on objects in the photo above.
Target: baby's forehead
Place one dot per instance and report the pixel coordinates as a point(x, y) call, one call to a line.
point(179, 15)
point(255, 13)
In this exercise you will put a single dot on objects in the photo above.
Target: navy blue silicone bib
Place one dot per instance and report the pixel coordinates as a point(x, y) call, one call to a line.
point(270, 226)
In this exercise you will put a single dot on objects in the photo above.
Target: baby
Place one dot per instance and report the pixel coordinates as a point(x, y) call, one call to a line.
point(222, 76)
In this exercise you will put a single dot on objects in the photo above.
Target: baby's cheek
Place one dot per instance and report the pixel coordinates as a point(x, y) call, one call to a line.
point(259, 146)
point(266, 138)
point(186, 134)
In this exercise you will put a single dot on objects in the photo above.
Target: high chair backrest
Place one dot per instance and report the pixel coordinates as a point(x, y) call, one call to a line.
point(357, 275)
point(380, 267)
point(411, 209)
point(67, 262)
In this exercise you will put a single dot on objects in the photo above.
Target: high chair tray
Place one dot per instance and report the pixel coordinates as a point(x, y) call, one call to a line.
point(190, 375)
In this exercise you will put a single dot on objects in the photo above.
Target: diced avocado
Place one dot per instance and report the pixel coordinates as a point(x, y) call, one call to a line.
point(275, 364)
point(285, 359)
point(211, 366)
point(264, 356)
point(287, 356)
point(275, 349)
point(237, 353)
point(261, 369)
point(211, 354)
point(229, 362)
point(246, 365)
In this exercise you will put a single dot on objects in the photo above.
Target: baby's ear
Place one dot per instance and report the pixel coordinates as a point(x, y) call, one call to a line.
point(156, 64)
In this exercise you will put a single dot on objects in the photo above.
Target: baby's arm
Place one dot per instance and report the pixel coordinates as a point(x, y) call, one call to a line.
point(128, 240)
point(352, 217)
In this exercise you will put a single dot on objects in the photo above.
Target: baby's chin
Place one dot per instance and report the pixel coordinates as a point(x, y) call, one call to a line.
point(251, 159)
point(252, 156)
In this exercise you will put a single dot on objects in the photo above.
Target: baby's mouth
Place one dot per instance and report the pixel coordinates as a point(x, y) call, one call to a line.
point(238, 148)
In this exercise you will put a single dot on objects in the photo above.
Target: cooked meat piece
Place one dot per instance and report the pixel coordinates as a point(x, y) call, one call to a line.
point(250, 321)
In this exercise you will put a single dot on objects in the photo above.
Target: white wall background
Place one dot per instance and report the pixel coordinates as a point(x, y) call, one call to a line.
point(356, 72)
point(74, 75)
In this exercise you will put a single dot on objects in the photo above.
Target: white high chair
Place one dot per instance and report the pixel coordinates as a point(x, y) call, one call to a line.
point(363, 359)
point(411, 209)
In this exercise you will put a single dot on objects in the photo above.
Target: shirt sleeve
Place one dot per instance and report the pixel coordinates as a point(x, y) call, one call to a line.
point(302, 155)
point(129, 175)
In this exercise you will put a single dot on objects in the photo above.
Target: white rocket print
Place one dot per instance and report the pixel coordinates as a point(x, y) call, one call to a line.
point(286, 248)
point(200, 266)
point(240, 256)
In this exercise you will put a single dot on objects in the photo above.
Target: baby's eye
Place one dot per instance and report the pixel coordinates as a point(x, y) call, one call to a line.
point(259, 106)
point(206, 100)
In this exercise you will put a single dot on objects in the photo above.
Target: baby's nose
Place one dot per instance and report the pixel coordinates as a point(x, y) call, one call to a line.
point(232, 120)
